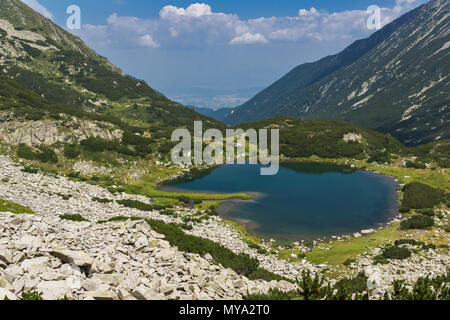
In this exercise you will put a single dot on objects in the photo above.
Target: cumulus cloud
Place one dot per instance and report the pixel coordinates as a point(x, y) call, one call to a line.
point(147, 41)
point(249, 38)
point(198, 25)
point(311, 12)
point(195, 10)
point(36, 6)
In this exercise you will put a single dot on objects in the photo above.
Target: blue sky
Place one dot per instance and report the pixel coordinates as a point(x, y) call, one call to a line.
point(218, 53)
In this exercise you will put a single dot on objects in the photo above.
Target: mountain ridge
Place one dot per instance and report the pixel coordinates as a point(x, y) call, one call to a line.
point(319, 90)
point(44, 59)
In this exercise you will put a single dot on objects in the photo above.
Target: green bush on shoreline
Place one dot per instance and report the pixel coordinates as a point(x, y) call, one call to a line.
point(417, 222)
point(421, 196)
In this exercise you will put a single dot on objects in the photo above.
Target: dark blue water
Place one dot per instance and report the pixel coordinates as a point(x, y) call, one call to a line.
point(304, 201)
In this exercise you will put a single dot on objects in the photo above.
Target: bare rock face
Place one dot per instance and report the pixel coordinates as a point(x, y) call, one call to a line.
point(46, 132)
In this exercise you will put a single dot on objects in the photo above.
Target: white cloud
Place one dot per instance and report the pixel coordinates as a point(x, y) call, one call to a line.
point(199, 26)
point(312, 12)
point(249, 38)
point(147, 41)
point(36, 6)
point(195, 10)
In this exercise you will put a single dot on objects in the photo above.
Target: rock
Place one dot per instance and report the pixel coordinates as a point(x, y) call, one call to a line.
point(108, 267)
point(143, 293)
point(51, 275)
point(53, 290)
point(156, 235)
point(69, 270)
point(376, 251)
point(98, 295)
point(74, 283)
point(35, 266)
point(374, 279)
point(110, 279)
point(163, 244)
point(18, 258)
point(368, 231)
point(208, 257)
point(77, 258)
point(28, 242)
point(7, 295)
point(90, 285)
point(5, 284)
point(5, 255)
point(18, 285)
point(141, 243)
point(13, 272)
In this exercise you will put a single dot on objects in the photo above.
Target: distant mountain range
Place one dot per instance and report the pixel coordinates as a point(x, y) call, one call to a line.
point(395, 82)
point(219, 114)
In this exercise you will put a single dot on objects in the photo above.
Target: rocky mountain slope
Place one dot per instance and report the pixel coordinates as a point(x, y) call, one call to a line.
point(47, 69)
point(395, 82)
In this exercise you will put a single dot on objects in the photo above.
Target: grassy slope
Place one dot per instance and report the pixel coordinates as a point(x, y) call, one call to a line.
point(8, 206)
point(148, 187)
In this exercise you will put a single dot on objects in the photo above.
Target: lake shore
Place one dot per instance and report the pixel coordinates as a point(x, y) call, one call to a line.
point(252, 225)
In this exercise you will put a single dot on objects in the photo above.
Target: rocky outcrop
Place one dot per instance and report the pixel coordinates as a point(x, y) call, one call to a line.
point(47, 132)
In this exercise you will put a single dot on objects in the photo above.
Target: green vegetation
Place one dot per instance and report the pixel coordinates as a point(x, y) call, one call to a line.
point(417, 222)
point(29, 169)
point(44, 154)
point(426, 212)
point(353, 285)
point(118, 219)
point(394, 252)
point(336, 253)
point(143, 206)
point(102, 200)
point(244, 233)
point(31, 296)
point(316, 288)
point(412, 242)
point(348, 262)
point(8, 206)
point(415, 165)
point(241, 263)
point(437, 288)
point(149, 187)
point(420, 196)
point(73, 217)
point(136, 205)
point(302, 139)
point(71, 151)
point(273, 295)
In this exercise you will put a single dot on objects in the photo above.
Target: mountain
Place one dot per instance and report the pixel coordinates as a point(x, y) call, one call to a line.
point(219, 114)
point(45, 69)
point(395, 81)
